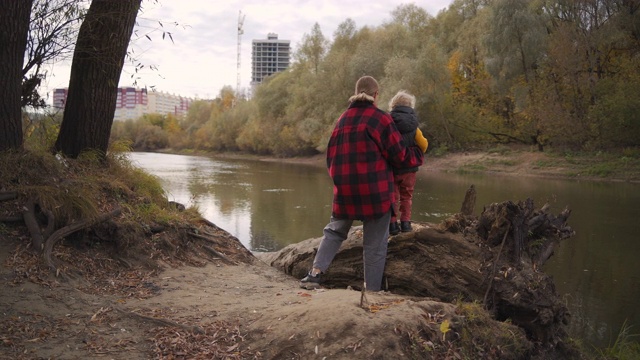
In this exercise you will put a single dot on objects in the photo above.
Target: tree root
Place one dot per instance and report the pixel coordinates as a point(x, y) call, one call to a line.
point(29, 215)
point(6, 196)
point(51, 223)
point(218, 255)
point(30, 220)
point(211, 250)
point(209, 223)
point(6, 219)
point(70, 229)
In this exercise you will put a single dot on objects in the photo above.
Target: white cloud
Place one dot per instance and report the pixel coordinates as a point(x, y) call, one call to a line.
point(203, 55)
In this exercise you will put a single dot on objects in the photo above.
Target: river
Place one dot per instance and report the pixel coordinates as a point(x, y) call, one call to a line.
point(269, 205)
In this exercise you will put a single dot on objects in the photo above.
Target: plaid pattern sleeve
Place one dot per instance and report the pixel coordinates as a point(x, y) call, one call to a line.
point(363, 146)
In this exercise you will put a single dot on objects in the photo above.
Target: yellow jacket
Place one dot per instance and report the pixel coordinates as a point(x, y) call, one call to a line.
point(421, 141)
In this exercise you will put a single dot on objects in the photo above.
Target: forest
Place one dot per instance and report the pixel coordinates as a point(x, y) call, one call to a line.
point(552, 75)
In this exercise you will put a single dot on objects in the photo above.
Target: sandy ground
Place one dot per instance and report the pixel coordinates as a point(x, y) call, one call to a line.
point(261, 312)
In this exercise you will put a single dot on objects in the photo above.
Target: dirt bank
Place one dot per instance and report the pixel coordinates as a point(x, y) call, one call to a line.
point(220, 311)
point(519, 161)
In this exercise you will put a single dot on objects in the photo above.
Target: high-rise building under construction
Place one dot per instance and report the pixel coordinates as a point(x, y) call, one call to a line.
point(269, 56)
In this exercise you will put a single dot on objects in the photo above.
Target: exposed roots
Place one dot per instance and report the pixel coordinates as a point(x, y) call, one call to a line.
point(70, 229)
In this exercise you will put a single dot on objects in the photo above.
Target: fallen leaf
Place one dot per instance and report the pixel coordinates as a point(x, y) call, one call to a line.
point(444, 328)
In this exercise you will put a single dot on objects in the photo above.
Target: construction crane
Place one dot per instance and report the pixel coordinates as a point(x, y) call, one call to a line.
point(240, 32)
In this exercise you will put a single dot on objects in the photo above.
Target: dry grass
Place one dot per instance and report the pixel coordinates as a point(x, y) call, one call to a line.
point(118, 257)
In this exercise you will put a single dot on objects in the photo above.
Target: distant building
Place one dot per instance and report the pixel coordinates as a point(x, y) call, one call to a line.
point(59, 98)
point(269, 56)
point(132, 103)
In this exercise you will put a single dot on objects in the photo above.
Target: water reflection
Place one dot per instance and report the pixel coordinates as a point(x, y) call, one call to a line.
point(265, 205)
point(270, 205)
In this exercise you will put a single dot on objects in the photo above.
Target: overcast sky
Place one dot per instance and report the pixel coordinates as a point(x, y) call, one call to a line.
point(203, 56)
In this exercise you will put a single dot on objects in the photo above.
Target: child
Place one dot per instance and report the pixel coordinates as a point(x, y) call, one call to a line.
point(401, 106)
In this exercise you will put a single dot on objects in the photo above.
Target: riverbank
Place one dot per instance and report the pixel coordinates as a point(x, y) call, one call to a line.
point(515, 161)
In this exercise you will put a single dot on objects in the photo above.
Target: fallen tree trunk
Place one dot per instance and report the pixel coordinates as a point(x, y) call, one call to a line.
point(493, 259)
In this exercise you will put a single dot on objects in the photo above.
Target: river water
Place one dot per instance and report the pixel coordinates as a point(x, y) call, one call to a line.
point(269, 205)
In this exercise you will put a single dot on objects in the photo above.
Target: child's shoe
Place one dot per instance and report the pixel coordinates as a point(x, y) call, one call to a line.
point(405, 226)
point(393, 228)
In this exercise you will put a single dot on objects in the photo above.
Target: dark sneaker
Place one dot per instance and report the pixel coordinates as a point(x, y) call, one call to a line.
point(310, 282)
point(393, 228)
point(405, 226)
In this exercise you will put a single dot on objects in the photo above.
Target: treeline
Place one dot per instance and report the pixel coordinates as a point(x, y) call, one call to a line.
point(562, 74)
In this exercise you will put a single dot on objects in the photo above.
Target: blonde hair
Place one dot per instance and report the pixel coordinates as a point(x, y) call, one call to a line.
point(366, 89)
point(402, 98)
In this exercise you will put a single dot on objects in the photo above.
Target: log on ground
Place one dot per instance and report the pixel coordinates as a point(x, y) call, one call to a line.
point(494, 258)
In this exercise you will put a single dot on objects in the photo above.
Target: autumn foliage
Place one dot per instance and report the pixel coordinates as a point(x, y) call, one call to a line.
point(547, 74)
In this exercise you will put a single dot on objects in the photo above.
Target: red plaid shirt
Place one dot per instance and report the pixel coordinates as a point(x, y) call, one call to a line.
point(364, 147)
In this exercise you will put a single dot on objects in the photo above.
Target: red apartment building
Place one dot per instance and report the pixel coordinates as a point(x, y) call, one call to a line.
point(132, 103)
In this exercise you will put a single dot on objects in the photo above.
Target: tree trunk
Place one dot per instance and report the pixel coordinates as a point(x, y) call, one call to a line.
point(95, 72)
point(14, 27)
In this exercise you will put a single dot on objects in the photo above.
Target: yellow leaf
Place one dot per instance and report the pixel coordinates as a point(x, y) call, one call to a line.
point(444, 328)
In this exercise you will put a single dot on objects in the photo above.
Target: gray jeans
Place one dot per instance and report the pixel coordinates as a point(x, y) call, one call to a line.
point(375, 239)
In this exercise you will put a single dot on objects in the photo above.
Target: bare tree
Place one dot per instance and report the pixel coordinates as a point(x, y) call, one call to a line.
point(53, 29)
